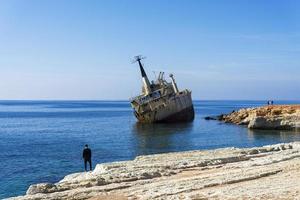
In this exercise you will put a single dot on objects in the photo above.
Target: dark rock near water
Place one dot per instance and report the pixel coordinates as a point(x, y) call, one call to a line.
point(210, 118)
point(218, 117)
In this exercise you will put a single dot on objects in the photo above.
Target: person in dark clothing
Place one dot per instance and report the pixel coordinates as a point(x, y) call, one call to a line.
point(87, 156)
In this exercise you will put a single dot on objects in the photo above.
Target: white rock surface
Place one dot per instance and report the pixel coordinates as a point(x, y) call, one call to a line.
point(269, 172)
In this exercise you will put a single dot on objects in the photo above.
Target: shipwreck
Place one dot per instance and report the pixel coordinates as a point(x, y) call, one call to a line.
point(162, 101)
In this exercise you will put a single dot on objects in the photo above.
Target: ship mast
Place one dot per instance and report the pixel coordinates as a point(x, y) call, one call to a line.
point(145, 79)
point(175, 88)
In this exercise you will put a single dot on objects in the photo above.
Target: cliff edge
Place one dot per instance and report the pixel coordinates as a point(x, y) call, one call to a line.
point(268, 172)
point(282, 117)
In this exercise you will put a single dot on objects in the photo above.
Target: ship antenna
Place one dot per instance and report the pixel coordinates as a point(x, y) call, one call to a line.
point(138, 59)
point(143, 73)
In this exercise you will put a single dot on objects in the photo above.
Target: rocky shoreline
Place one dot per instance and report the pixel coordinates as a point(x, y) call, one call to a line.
point(280, 117)
point(268, 172)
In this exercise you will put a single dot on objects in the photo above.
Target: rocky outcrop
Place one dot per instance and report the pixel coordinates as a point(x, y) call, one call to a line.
point(283, 117)
point(269, 172)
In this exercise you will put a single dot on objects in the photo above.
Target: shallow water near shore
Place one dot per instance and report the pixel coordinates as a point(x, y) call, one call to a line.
point(42, 141)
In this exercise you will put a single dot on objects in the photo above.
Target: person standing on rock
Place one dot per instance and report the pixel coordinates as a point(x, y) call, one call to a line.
point(87, 156)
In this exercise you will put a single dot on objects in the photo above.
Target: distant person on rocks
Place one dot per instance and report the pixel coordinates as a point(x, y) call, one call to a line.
point(87, 156)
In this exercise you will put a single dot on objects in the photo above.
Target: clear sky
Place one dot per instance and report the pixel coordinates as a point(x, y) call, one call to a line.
point(59, 49)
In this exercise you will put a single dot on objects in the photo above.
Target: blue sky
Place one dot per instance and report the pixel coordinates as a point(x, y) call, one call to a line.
point(58, 49)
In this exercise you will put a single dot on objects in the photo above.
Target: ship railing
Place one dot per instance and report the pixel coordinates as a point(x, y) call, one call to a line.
point(145, 99)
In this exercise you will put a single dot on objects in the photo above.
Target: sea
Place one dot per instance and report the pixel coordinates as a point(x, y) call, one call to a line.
point(42, 141)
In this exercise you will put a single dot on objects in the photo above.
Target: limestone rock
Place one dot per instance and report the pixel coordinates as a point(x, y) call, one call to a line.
point(268, 172)
point(283, 117)
point(41, 188)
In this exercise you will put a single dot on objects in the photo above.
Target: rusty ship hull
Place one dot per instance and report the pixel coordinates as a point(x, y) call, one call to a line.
point(175, 109)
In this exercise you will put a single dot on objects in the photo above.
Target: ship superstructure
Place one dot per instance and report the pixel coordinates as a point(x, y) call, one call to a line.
point(161, 101)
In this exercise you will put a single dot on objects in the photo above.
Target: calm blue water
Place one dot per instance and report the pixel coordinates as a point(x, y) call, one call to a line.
point(42, 141)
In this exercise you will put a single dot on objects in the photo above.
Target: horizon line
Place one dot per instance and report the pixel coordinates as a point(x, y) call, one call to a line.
point(129, 100)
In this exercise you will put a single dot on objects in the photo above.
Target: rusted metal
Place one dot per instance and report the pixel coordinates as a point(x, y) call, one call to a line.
point(161, 101)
